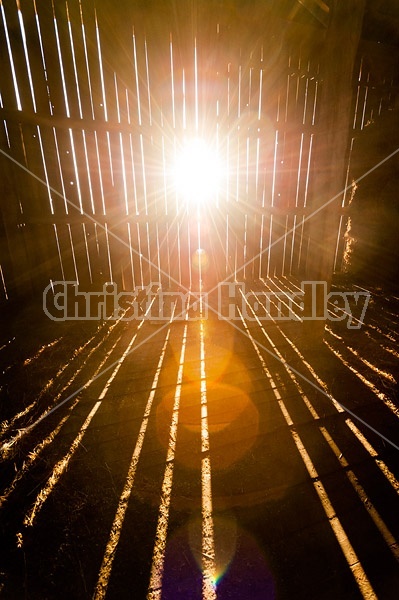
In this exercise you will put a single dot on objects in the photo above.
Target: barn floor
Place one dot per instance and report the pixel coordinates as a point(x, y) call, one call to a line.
point(200, 458)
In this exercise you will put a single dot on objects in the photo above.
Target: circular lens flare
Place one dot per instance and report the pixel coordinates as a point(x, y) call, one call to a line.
point(241, 566)
point(200, 261)
point(198, 172)
point(233, 424)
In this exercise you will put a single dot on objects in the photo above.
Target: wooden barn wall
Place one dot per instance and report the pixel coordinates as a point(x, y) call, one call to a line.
point(375, 94)
point(95, 105)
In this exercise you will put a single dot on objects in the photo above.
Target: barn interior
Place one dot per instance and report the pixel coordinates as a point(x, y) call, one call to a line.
point(199, 299)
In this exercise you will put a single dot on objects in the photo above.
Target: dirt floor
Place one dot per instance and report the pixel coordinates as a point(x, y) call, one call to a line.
point(228, 459)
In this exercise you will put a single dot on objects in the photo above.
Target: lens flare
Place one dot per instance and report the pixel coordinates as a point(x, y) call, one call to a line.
point(200, 261)
point(242, 569)
point(233, 422)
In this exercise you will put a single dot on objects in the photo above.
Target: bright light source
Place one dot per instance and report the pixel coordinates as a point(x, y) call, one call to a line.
point(198, 172)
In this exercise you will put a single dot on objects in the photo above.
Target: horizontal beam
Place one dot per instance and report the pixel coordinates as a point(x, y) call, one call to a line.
point(318, 9)
point(111, 221)
point(257, 128)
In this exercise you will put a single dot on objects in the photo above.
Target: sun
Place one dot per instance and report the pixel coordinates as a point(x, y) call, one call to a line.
point(197, 173)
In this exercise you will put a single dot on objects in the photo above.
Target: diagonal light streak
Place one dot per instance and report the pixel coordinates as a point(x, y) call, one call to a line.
point(316, 386)
point(35, 454)
point(96, 376)
point(373, 453)
point(158, 558)
point(348, 551)
point(7, 444)
point(351, 557)
point(62, 465)
point(116, 529)
point(374, 514)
